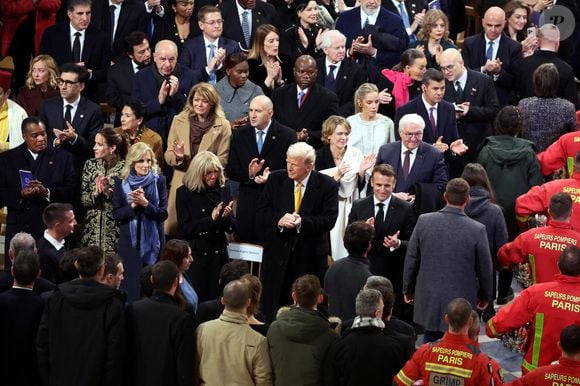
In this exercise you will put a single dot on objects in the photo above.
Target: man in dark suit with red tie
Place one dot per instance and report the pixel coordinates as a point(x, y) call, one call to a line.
point(304, 105)
point(256, 150)
point(393, 220)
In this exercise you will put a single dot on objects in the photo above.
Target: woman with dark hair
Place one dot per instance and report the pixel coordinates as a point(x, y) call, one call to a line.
point(483, 209)
point(140, 208)
point(235, 90)
point(305, 36)
point(433, 37)
point(403, 82)
point(202, 125)
point(97, 189)
point(40, 84)
point(546, 117)
point(204, 216)
point(518, 17)
point(179, 253)
point(268, 68)
point(133, 129)
point(178, 24)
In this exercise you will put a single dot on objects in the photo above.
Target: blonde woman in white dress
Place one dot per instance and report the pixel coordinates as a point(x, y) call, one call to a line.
point(347, 165)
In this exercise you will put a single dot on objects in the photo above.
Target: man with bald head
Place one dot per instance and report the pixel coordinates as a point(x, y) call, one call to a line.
point(305, 104)
point(163, 87)
point(245, 350)
point(549, 43)
point(256, 149)
point(495, 54)
point(475, 99)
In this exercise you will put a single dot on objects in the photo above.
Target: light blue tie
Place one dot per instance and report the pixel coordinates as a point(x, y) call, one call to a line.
point(366, 24)
point(212, 75)
point(246, 28)
point(300, 97)
point(405, 17)
point(489, 53)
point(260, 141)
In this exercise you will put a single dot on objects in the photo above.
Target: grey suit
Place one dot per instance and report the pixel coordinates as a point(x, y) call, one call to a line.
point(447, 257)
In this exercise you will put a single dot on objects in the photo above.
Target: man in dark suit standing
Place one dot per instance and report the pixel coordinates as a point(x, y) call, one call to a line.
point(495, 54)
point(414, 160)
point(412, 12)
point(297, 209)
point(21, 310)
point(549, 43)
point(243, 17)
point(304, 105)
point(121, 75)
point(163, 87)
point(117, 19)
point(393, 220)
point(206, 52)
point(340, 76)
point(438, 115)
point(474, 95)
point(375, 37)
point(53, 179)
point(256, 150)
point(79, 42)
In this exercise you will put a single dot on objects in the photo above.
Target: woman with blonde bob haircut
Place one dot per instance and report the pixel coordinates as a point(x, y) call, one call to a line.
point(140, 208)
point(433, 37)
point(201, 126)
point(204, 215)
point(347, 165)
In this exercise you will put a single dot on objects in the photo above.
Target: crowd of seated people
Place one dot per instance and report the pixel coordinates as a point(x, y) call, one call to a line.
point(285, 125)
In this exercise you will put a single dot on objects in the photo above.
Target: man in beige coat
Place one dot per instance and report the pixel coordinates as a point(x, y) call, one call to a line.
point(230, 340)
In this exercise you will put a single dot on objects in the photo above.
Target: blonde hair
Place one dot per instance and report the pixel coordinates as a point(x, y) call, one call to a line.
point(203, 163)
point(136, 152)
point(330, 125)
point(51, 67)
point(207, 92)
point(257, 51)
point(360, 94)
point(431, 17)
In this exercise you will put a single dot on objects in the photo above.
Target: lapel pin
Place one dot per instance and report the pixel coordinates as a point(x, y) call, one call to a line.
point(82, 116)
point(50, 162)
point(344, 77)
point(273, 137)
point(474, 90)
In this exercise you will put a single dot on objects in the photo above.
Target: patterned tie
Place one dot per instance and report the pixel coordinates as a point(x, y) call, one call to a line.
point(489, 53)
point(260, 141)
point(433, 124)
point(300, 98)
point(76, 51)
point(246, 28)
point(459, 96)
point(297, 197)
point(405, 17)
point(67, 115)
point(407, 163)
point(212, 75)
point(330, 79)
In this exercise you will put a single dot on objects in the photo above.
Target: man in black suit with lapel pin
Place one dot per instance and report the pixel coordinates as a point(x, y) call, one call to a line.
point(79, 42)
point(256, 150)
point(297, 210)
point(346, 75)
point(304, 105)
point(393, 220)
point(475, 95)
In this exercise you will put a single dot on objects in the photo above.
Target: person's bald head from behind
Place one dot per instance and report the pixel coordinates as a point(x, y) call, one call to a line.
point(549, 37)
point(236, 297)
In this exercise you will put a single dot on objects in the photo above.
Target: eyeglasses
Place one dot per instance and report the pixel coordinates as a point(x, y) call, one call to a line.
point(214, 22)
point(418, 134)
point(68, 83)
point(448, 68)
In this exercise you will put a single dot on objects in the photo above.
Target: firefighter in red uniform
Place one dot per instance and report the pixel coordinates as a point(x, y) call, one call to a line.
point(473, 333)
point(541, 247)
point(561, 154)
point(537, 199)
point(549, 306)
point(453, 360)
point(566, 372)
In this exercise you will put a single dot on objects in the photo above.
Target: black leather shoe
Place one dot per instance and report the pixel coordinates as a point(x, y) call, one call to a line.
point(505, 299)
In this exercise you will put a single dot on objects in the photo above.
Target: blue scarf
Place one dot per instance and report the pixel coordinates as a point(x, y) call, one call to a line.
point(150, 244)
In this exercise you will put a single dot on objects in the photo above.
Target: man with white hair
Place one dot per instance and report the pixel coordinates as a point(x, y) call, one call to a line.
point(549, 43)
point(296, 211)
point(340, 76)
